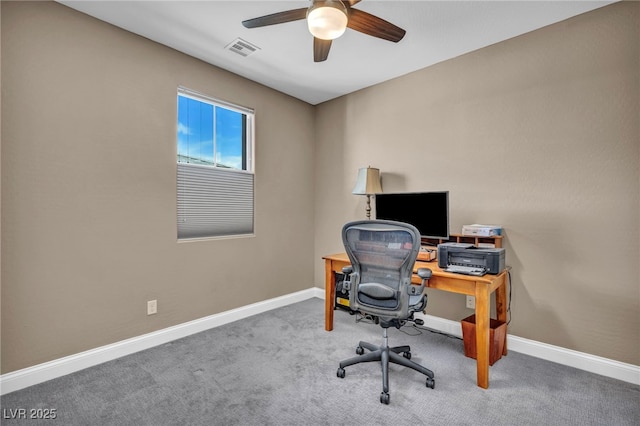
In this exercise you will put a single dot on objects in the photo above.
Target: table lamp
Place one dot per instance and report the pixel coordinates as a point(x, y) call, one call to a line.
point(368, 183)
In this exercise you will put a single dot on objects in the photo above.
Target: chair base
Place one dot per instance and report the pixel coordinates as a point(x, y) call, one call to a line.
point(385, 355)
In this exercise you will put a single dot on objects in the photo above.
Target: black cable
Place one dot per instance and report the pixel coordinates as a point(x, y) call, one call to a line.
point(431, 330)
point(509, 302)
point(370, 319)
point(420, 329)
point(366, 318)
point(419, 332)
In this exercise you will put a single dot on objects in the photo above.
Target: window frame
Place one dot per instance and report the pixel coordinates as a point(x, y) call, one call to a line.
point(249, 127)
point(248, 160)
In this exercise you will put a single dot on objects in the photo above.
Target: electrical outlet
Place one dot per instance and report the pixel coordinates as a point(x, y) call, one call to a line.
point(152, 307)
point(471, 302)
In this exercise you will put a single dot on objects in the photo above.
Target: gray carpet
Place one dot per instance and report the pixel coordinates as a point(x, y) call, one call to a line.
point(279, 368)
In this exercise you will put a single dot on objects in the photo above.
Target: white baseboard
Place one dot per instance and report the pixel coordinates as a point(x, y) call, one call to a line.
point(606, 367)
point(30, 376)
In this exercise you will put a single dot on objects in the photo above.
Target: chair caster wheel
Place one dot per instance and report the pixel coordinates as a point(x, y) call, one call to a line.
point(407, 355)
point(384, 398)
point(431, 382)
point(359, 350)
point(341, 373)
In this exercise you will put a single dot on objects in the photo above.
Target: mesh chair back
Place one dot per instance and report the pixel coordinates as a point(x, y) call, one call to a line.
point(382, 254)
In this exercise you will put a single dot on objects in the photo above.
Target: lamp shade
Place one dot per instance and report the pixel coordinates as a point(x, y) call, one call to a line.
point(368, 181)
point(327, 20)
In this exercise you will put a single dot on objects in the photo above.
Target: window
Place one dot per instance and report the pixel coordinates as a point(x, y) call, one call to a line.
point(215, 167)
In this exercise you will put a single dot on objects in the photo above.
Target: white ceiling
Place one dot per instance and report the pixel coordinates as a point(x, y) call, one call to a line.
point(436, 31)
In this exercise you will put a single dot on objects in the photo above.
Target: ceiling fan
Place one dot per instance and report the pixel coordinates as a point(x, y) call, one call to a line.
point(328, 20)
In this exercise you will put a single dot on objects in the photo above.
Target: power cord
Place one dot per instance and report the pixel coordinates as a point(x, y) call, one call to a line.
point(509, 301)
point(420, 329)
point(371, 319)
point(366, 318)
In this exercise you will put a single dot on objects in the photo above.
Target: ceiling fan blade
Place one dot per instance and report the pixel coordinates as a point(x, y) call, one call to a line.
point(320, 49)
point(372, 25)
point(276, 18)
point(353, 2)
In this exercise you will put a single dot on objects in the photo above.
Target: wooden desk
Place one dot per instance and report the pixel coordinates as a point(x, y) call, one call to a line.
point(480, 287)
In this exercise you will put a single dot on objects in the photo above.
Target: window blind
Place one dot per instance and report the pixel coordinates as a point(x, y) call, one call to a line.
point(214, 202)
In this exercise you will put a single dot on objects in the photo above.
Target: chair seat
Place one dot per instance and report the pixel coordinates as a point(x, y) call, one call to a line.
point(377, 291)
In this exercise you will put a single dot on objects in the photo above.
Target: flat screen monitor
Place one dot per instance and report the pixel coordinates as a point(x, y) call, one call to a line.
point(427, 211)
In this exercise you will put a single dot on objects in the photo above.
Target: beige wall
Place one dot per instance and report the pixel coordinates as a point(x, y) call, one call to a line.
point(89, 189)
point(540, 134)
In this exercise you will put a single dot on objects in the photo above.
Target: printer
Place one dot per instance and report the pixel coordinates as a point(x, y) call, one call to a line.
point(490, 260)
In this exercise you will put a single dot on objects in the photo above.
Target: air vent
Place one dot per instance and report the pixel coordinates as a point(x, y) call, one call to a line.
point(242, 47)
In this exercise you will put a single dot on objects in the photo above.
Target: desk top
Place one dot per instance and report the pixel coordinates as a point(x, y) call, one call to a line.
point(437, 271)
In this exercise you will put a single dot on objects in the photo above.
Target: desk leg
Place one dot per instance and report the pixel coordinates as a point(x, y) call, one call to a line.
point(501, 307)
point(330, 294)
point(482, 334)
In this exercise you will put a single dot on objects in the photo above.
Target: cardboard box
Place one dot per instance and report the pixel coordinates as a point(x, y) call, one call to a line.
point(477, 230)
point(497, 336)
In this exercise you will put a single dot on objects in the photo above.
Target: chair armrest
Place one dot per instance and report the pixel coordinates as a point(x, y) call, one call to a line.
point(425, 274)
point(347, 271)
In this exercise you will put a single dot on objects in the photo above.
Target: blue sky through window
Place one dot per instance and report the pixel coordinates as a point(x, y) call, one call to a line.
point(198, 122)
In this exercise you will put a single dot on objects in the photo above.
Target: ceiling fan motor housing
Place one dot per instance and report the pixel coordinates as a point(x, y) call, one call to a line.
point(327, 20)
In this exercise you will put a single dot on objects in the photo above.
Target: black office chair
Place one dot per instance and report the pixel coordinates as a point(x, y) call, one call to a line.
point(382, 255)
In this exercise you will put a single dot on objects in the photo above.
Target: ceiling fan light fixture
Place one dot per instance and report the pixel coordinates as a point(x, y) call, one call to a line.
point(327, 20)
